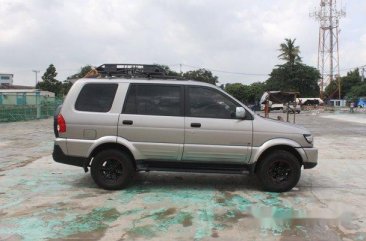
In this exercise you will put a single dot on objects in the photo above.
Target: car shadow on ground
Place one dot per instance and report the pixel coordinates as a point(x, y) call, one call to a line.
point(169, 180)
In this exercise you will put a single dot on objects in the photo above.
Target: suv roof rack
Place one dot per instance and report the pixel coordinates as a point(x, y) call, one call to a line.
point(133, 71)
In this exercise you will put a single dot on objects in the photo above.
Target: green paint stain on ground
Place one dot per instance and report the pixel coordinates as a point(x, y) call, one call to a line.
point(47, 223)
point(187, 220)
point(163, 220)
point(95, 220)
point(272, 199)
point(274, 215)
point(242, 204)
point(146, 231)
point(132, 212)
point(129, 194)
point(214, 210)
point(206, 223)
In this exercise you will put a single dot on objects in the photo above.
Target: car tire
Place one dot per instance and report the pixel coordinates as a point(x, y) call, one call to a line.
point(112, 169)
point(279, 171)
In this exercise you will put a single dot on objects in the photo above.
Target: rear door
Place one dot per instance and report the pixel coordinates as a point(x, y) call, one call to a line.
point(212, 133)
point(152, 120)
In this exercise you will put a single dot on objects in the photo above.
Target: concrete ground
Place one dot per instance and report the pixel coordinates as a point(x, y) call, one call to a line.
point(44, 200)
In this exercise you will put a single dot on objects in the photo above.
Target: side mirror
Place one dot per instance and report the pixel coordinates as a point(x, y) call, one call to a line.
point(240, 113)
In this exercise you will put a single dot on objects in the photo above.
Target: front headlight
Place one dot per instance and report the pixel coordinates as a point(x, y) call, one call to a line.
point(309, 138)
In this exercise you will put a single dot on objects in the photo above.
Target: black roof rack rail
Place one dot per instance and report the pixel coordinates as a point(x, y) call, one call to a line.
point(133, 71)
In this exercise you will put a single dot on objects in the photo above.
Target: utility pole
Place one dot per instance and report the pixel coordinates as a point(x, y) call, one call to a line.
point(36, 72)
point(328, 45)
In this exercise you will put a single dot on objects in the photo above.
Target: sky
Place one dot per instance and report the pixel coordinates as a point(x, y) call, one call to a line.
point(238, 36)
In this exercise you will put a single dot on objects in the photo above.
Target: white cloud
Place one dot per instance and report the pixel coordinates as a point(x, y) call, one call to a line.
point(234, 35)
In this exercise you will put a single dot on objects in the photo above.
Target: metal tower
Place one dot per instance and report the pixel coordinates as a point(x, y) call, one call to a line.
point(328, 48)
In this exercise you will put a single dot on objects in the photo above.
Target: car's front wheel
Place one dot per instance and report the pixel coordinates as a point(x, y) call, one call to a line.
point(112, 169)
point(279, 171)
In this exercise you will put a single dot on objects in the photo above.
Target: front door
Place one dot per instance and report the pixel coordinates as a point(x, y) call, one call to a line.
point(212, 133)
point(153, 120)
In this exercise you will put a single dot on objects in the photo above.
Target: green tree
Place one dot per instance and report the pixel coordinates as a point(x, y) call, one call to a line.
point(66, 85)
point(238, 90)
point(168, 71)
point(357, 91)
point(202, 75)
point(256, 91)
point(289, 52)
point(49, 81)
point(351, 80)
point(293, 75)
point(246, 93)
point(331, 91)
point(299, 77)
point(83, 71)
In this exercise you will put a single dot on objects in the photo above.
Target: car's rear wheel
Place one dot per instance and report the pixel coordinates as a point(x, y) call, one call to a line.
point(112, 169)
point(279, 171)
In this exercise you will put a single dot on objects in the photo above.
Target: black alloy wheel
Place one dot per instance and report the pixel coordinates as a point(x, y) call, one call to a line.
point(112, 169)
point(279, 171)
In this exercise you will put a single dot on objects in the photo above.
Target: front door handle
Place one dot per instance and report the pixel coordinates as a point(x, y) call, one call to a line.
point(127, 122)
point(196, 125)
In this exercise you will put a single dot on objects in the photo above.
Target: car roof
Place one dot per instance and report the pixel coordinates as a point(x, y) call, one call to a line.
point(145, 81)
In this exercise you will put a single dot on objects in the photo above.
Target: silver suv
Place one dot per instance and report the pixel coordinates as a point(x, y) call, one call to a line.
point(119, 126)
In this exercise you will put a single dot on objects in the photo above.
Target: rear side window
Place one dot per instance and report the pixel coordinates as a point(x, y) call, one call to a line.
point(96, 97)
point(165, 100)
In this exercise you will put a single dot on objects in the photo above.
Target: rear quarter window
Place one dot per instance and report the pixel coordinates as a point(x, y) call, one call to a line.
point(96, 97)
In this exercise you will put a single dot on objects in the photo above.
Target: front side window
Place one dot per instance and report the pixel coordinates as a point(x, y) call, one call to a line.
point(96, 97)
point(146, 99)
point(210, 103)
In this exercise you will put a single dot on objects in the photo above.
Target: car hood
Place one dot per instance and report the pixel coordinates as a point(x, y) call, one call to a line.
point(275, 126)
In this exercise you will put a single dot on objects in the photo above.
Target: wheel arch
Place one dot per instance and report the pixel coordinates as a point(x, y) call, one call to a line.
point(112, 145)
point(274, 145)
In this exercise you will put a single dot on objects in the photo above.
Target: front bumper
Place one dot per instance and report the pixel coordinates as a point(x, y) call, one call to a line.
point(312, 158)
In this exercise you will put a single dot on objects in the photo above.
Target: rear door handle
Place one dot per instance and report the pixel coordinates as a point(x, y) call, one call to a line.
point(127, 122)
point(197, 125)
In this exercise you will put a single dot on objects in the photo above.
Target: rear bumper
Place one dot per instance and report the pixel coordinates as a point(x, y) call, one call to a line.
point(312, 157)
point(59, 156)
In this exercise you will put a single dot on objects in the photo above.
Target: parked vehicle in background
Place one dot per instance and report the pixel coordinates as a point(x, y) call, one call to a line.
point(273, 106)
point(309, 101)
point(134, 118)
point(276, 107)
point(361, 102)
point(292, 109)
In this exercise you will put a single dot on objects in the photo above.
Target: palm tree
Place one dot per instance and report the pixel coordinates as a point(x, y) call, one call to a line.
point(290, 52)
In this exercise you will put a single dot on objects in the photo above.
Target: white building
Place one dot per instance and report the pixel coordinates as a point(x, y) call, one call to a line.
point(338, 103)
point(6, 79)
point(11, 97)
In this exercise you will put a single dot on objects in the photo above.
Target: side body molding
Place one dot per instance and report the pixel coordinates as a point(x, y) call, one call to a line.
point(257, 151)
